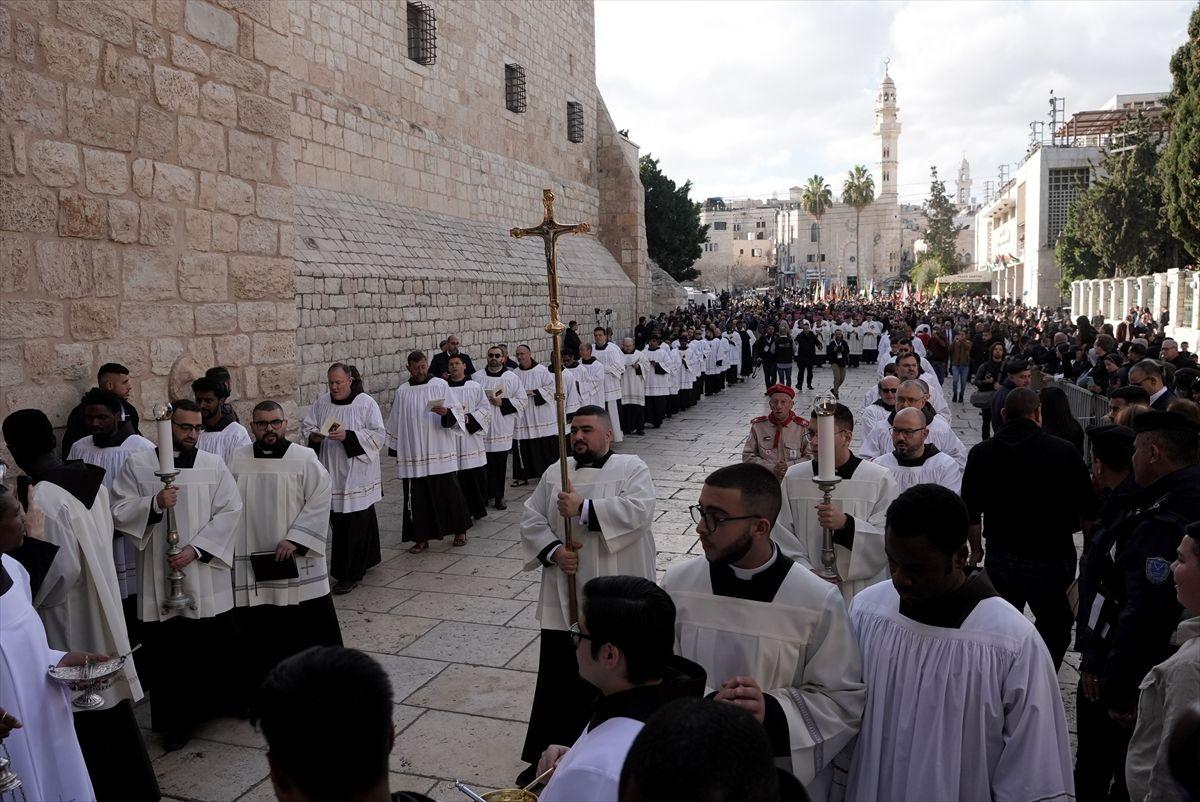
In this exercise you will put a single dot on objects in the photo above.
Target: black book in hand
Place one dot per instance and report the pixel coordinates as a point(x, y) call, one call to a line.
point(268, 569)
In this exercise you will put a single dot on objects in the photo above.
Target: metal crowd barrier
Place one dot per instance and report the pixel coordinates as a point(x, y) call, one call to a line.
point(1087, 407)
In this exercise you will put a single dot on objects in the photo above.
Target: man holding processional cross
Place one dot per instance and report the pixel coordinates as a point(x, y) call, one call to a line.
point(589, 516)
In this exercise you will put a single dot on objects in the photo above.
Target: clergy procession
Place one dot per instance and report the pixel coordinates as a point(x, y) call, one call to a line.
point(878, 610)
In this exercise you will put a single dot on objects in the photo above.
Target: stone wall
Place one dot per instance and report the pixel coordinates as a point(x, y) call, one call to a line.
point(145, 198)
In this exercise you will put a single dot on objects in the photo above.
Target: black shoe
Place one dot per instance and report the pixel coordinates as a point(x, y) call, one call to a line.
point(174, 741)
point(500, 505)
point(342, 588)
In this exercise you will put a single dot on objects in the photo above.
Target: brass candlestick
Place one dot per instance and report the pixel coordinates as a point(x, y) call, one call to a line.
point(549, 231)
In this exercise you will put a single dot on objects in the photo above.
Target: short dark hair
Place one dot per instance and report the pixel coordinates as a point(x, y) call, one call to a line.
point(457, 356)
point(185, 404)
point(221, 374)
point(635, 615)
point(910, 355)
point(593, 410)
point(416, 356)
point(1148, 367)
point(352, 696)
point(932, 511)
point(760, 490)
point(1131, 394)
point(109, 368)
point(1179, 447)
point(268, 406)
point(1021, 402)
point(207, 385)
point(842, 416)
point(102, 398)
point(703, 750)
point(600, 329)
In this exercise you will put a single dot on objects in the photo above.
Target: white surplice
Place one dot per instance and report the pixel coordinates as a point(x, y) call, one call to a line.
point(78, 600)
point(357, 481)
point(224, 442)
point(659, 383)
point(499, 434)
point(633, 380)
point(866, 496)
point(469, 399)
point(423, 446)
point(871, 416)
point(111, 459)
point(589, 380)
point(968, 714)
point(621, 495)
point(938, 469)
point(879, 441)
point(45, 751)
point(613, 361)
point(285, 498)
point(591, 770)
point(206, 515)
point(536, 420)
point(799, 647)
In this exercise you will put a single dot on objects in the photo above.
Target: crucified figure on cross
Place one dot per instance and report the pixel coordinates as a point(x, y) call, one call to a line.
point(550, 230)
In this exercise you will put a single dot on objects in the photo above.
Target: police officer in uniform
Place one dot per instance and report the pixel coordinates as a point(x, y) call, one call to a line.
point(779, 440)
point(1128, 610)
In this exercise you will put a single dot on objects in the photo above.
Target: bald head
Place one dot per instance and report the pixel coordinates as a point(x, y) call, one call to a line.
point(911, 393)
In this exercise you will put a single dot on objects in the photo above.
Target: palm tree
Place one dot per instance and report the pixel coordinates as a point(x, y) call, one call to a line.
point(816, 200)
point(859, 192)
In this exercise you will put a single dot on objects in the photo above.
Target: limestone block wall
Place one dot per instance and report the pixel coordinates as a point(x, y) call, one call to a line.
point(377, 280)
point(145, 197)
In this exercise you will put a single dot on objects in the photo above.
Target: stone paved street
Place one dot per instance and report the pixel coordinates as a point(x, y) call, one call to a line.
point(455, 628)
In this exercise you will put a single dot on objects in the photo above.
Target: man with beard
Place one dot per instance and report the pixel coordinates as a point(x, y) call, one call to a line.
point(115, 379)
point(109, 446)
point(346, 429)
point(440, 365)
point(609, 499)
point(633, 390)
point(773, 638)
point(912, 460)
point(912, 395)
point(426, 454)
point(222, 433)
point(189, 660)
point(280, 575)
point(503, 391)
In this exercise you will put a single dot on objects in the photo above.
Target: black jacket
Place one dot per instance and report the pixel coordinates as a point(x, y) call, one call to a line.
point(1125, 580)
point(806, 348)
point(76, 430)
point(439, 366)
point(1031, 490)
point(838, 353)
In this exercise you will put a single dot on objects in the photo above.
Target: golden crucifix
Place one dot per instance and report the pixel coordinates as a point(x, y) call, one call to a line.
point(550, 230)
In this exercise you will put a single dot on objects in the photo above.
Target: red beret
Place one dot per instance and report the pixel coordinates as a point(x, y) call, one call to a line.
point(781, 388)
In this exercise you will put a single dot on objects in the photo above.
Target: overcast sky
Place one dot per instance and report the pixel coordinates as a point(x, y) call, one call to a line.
point(747, 98)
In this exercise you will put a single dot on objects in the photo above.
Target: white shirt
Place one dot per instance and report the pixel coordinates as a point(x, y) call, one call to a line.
point(591, 770)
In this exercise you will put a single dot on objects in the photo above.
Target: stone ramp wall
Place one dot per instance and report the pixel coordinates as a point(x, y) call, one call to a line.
point(375, 280)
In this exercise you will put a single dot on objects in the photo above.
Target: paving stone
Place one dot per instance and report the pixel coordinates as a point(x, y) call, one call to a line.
point(478, 644)
point(447, 583)
point(372, 599)
point(460, 607)
point(479, 690)
point(380, 632)
point(496, 567)
point(407, 675)
point(210, 771)
point(475, 749)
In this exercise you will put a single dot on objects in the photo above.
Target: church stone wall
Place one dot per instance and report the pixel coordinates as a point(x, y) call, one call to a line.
point(145, 198)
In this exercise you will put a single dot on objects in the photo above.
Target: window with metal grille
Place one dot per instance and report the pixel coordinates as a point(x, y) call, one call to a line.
point(1065, 184)
point(422, 34)
point(514, 88)
point(719, 225)
point(574, 121)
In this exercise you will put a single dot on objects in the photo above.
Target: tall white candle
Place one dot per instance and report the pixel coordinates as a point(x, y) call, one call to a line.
point(166, 447)
point(825, 448)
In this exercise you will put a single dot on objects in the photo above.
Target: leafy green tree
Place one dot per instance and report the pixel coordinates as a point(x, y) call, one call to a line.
point(926, 272)
point(1073, 253)
point(1179, 167)
point(816, 200)
point(673, 230)
point(858, 191)
point(941, 234)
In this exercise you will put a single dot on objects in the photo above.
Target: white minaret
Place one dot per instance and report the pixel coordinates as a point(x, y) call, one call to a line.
point(963, 201)
point(887, 128)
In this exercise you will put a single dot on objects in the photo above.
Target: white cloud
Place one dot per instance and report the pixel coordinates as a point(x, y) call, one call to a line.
point(750, 98)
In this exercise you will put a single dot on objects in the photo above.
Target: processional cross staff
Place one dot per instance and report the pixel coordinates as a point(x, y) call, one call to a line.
point(550, 230)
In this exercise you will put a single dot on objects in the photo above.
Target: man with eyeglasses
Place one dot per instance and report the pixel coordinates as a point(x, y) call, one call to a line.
point(189, 666)
point(914, 461)
point(282, 601)
point(609, 499)
point(779, 440)
point(878, 411)
point(774, 639)
point(1148, 375)
point(912, 394)
point(855, 515)
point(503, 391)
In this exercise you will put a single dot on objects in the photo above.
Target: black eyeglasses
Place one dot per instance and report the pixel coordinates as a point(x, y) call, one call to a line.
point(711, 521)
point(188, 427)
point(274, 423)
point(576, 635)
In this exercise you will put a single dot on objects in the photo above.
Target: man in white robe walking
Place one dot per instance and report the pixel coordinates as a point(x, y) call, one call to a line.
point(222, 433)
point(915, 461)
point(472, 417)
point(660, 365)
point(535, 435)
point(503, 390)
point(189, 647)
point(633, 389)
point(614, 368)
point(912, 394)
point(609, 500)
point(855, 515)
point(280, 576)
point(772, 637)
point(963, 701)
point(346, 429)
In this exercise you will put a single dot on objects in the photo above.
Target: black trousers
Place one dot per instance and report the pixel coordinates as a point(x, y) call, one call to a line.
point(770, 373)
point(115, 754)
point(497, 463)
point(672, 403)
point(633, 418)
point(1100, 756)
point(656, 409)
point(354, 542)
point(189, 659)
point(855, 359)
point(803, 371)
point(1043, 585)
point(562, 700)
